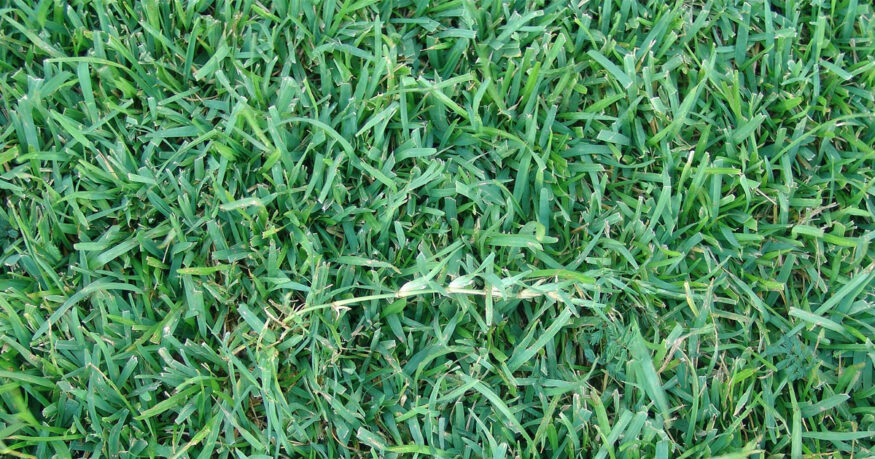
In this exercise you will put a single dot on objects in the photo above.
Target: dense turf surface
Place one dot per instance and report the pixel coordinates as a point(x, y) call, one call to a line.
point(599, 228)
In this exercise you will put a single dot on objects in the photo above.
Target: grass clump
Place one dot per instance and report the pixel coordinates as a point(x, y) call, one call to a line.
point(609, 228)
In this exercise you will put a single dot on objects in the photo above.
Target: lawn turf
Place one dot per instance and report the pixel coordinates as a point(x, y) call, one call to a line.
point(233, 228)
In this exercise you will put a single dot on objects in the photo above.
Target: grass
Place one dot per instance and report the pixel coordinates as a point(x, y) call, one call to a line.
point(236, 228)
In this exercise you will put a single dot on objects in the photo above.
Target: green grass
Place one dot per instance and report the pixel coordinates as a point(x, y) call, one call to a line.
point(233, 228)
